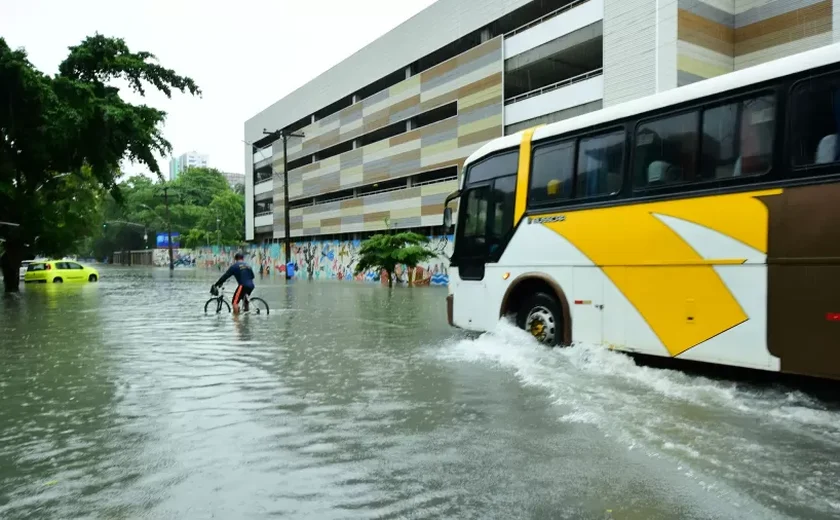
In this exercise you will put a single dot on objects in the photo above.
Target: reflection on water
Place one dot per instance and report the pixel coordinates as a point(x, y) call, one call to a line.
point(122, 400)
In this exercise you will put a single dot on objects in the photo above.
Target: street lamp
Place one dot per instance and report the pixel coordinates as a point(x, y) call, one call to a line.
point(145, 233)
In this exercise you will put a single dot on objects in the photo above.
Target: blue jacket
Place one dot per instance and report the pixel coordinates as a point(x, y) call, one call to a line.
point(241, 271)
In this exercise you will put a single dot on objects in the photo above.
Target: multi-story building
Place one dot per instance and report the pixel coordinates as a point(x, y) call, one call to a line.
point(386, 131)
point(234, 178)
point(188, 160)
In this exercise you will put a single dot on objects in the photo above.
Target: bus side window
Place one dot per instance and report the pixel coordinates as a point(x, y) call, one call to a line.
point(815, 128)
point(552, 169)
point(738, 138)
point(600, 160)
point(666, 151)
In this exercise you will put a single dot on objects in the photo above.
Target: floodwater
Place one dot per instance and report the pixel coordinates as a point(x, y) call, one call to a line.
point(123, 400)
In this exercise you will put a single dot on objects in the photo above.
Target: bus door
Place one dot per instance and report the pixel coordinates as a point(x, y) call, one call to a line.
point(486, 213)
point(470, 254)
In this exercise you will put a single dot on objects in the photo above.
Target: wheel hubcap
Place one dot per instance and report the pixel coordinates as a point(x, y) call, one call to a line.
point(541, 324)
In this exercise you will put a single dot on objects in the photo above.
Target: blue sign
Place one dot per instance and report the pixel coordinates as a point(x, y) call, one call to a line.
point(163, 240)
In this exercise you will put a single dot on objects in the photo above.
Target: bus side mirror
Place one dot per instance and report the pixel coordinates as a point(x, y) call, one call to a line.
point(447, 218)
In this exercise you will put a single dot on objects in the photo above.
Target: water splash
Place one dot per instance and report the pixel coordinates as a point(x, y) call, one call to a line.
point(721, 431)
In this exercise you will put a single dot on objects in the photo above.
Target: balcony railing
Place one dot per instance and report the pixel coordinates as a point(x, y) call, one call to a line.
point(377, 192)
point(264, 213)
point(436, 181)
point(554, 86)
point(545, 17)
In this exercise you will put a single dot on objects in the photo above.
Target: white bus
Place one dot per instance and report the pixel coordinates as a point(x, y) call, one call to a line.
point(700, 223)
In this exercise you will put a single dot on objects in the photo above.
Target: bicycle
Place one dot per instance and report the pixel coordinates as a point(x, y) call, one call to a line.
point(255, 305)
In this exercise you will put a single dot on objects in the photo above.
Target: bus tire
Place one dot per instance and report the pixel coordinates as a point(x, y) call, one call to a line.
point(542, 317)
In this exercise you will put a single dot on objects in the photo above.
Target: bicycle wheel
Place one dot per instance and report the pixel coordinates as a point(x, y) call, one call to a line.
point(258, 306)
point(215, 305)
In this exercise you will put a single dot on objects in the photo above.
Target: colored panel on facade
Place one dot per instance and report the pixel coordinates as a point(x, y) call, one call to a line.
point(474, 79)
point(714, 41)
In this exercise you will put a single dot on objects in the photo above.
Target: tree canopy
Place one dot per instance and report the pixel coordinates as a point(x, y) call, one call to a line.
point(63, 136)
point(197, 198)
point(388, 250)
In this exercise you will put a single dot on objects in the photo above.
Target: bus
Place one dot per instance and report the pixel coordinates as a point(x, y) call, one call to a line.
point(700, 223)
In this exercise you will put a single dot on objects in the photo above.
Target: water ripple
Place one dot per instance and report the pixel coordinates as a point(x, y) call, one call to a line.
point(123, 400)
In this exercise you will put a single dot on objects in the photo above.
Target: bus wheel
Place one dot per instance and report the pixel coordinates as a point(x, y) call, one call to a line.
point(541, 316)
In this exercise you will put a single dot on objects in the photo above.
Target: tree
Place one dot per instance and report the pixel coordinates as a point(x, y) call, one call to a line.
point(69, 132)
point(197, 198)
point(229, 208)
point(387, 250)
point(198, 186)
point(222, 222)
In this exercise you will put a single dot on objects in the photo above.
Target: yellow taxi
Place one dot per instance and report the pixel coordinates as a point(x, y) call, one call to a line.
point(59, 271)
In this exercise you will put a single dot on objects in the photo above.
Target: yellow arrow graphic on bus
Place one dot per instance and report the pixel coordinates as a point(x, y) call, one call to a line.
point(673, 287)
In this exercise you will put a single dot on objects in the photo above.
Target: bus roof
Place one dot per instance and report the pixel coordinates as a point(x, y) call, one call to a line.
point(778, 68)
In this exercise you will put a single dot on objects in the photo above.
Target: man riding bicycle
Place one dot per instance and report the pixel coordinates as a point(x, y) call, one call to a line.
point(244, 276)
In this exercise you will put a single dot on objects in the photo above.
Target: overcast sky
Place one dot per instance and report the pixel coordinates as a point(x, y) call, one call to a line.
point(244, 55)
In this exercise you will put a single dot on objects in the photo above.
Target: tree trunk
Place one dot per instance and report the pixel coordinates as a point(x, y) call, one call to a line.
point(390, 278)
point(10, 263)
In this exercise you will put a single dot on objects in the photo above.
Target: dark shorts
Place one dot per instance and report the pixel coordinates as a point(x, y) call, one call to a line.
point(242, 289)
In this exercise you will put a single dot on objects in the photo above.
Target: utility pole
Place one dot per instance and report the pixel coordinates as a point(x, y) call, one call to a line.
point(285, 135)
point(168, 227)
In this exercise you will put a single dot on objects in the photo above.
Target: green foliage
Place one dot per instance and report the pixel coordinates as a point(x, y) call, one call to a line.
point(197, 199)
point(198, 186)
point(62, 138)
point(73, 206)
point(387, 250)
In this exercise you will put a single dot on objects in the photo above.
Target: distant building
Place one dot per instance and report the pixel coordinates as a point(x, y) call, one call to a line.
point(234, 178)
point(188, 160)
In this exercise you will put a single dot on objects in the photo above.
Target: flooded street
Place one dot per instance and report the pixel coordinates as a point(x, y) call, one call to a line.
point(123, 400)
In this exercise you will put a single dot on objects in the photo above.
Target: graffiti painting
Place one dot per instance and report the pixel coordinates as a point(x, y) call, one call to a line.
point(316, 260)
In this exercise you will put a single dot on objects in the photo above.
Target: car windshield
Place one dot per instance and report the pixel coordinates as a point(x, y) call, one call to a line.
point(37, 267)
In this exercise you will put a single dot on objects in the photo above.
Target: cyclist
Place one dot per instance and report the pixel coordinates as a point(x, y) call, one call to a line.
point(244, 276)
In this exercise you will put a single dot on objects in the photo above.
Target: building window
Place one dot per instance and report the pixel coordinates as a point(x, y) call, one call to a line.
point(263, 174)
point(263, 207)
point(666, 151)
point(552, 169)
point(599, 165)
point(738, 139)
point(815, 128)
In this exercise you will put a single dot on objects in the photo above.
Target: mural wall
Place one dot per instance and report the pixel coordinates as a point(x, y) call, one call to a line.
point(318, 260)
